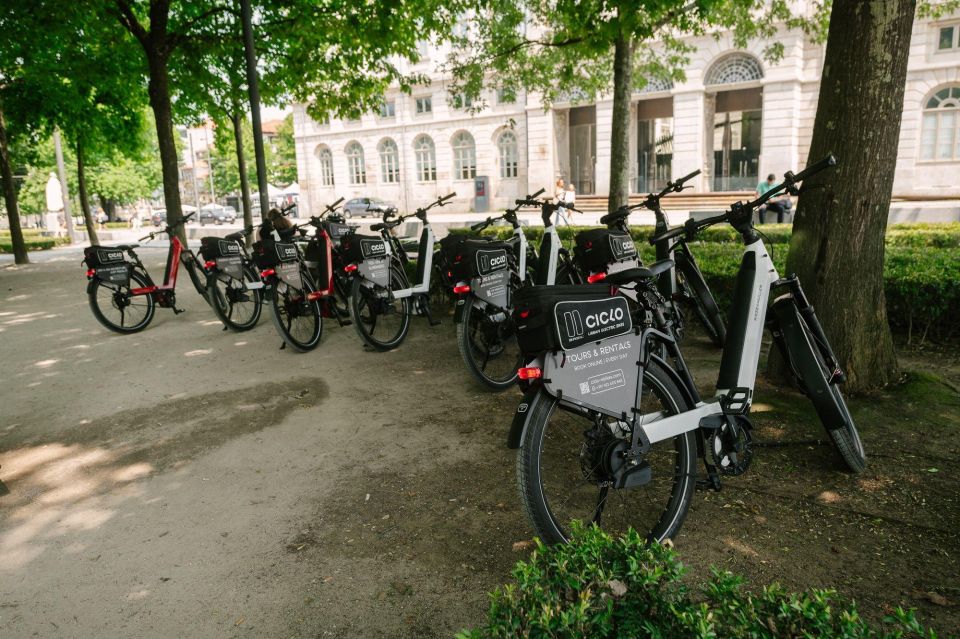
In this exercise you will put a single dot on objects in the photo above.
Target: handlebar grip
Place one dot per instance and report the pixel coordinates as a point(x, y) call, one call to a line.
point(689, 176)
point(337, 202)
point(669, 235)
point(188, 216)
point(479, 225)
point(537, 194)
point(447, 197)
point(826, 162)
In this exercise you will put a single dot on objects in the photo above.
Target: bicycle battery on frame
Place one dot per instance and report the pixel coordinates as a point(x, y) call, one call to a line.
point(598, 364)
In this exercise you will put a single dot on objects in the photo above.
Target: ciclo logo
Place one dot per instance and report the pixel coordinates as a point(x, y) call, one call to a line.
point(603, 318)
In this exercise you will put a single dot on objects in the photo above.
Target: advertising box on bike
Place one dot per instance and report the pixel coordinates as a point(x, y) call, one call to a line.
point(108, 263)
point(370, 254)
point(596, 248)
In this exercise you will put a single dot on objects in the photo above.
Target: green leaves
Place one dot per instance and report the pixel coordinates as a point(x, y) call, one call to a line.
point(600, 586)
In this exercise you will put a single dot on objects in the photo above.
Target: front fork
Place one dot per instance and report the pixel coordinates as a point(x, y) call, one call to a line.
point(792, 282)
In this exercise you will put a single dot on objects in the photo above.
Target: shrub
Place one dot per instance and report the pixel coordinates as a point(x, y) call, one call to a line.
point(33, 241)
point(598, 586)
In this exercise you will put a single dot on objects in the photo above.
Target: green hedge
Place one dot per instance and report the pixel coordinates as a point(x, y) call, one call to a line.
point(33, 241)
point(598, 587)
point(915, 235)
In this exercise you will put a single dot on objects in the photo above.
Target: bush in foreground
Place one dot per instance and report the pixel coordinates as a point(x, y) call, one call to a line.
point(598, 586)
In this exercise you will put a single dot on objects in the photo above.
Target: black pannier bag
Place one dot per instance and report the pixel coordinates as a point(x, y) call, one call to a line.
point(595, 248)
point(212, 248)
point(475, 258)
point(97, 256)
point(357, 248)
point(550, 318)
point(315, 255)
point(268, 253)
point(337, 231)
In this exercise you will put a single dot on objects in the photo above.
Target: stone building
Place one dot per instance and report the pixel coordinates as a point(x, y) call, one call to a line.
point(735, 116)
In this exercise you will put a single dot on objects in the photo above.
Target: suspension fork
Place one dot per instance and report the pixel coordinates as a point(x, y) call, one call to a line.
point(792, 282)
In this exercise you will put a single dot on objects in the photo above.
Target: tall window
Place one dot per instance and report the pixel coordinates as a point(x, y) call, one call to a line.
point(388, 109)
point(424, 104)
point(461, 101)
point(464, 156)
point(507, 145)
point(326, 166)
point(940, 139)
point(426, 159)
point(355, 166)
point(506, 96)
point(949, 38)
point(389, 162)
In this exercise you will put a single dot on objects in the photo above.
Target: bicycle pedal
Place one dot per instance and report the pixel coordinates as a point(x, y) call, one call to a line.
point(177, 311)
point(710, 483)
point(283, 345)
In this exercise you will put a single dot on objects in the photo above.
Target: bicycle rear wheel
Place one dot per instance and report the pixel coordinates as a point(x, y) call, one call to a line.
point(381, 321)
point(487, 341)
point(116, 309)
point(296, 317)
point(237, 306)
point(563, 468)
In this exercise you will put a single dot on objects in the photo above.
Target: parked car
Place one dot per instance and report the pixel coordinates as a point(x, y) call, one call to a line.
point(366, 206)
point(217, 214)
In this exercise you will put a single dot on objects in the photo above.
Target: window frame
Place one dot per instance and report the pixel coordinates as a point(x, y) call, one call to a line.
point(356, 164)
point(426, 171)
point(954, 40)
point(938, 112)
point(388, 110)
point(325, 158)
point(463, 171)
point(509, 167)
point(389, 161)
point(428, 101)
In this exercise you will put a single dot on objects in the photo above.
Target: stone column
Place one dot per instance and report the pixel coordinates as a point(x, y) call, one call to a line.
point(688, 135)
point(604, 131)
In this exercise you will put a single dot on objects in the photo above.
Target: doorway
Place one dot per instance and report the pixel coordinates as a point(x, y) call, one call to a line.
point(583, 148)
point(654, 144)
point(735, 139)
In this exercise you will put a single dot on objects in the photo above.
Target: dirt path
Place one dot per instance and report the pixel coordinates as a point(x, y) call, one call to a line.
point(191, 482)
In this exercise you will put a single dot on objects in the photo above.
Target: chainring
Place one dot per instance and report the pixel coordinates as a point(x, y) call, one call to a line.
point(731, 452)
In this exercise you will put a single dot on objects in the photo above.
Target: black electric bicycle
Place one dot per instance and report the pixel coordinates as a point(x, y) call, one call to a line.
point(683, 283)
point(381, 296)
point(289, 288)
point(234, 287)
point(610, 431)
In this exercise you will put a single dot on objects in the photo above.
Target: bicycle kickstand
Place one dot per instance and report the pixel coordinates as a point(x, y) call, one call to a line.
point(425, 307)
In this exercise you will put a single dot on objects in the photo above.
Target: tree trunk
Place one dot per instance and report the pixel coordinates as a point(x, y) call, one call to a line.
point(837, 247)
point(10, 197)
point(159, 90)
point(109, 208)
point(242, 165)
point(84, 198)
point(620, 134)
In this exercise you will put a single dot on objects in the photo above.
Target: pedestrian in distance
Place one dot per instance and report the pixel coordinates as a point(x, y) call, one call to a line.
point(561, 200)
point(779, 206)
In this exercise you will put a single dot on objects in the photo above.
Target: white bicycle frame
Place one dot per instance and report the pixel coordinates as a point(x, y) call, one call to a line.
point(426, 238)
point(554, 248)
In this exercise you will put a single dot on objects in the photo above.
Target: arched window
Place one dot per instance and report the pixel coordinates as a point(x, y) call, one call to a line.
point(509, 156)
point(426, 159)
point(464, 156)
point(389, 162)
point(356, 168)
point(940, 139)
point(736, 67)
point(325, 158)
point(656, 85)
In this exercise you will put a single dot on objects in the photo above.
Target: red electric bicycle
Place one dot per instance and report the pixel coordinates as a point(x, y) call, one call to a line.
point(123, 296)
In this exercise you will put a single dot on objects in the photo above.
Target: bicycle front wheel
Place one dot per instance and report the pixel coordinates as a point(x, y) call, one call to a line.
point(566, 460)
point(296, 317)
point(117, 309)
point(237, 306)
point(488, 345)
point(381, 321)
point(703, 301)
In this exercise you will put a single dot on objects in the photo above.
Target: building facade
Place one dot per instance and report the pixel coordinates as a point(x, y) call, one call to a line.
point(736, 117)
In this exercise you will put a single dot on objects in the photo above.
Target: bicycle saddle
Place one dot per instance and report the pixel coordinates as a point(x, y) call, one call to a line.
point(127, 247)
point(384, 225)
point(234, 236)
point(640, 273)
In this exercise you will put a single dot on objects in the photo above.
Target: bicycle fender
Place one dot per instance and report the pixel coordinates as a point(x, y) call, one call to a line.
point(522, 415)
point(460, 308)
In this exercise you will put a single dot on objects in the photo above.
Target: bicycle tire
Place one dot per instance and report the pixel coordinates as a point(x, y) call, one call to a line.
point(530, 463)
point(288, 304)
point(225, 300)
point(365, 310)
point(467, 342)
point(93, 297)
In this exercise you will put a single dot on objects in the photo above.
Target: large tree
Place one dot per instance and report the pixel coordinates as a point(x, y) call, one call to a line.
point(581, 51)
point(837, 247)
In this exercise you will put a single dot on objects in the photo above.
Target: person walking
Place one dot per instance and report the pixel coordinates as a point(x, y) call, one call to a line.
point(560, 198)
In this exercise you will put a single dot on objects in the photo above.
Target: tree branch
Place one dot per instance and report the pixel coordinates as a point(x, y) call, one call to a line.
point(129, 21)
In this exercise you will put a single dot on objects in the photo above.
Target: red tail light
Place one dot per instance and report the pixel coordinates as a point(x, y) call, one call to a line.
point(524, 314)
point(589, 244)
point(461, 289)
point(350, 268)
point(530, 373)
point(267, 273)
point(209, 264)
point(596, 277)
point(313, 296)
point(91, 272)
